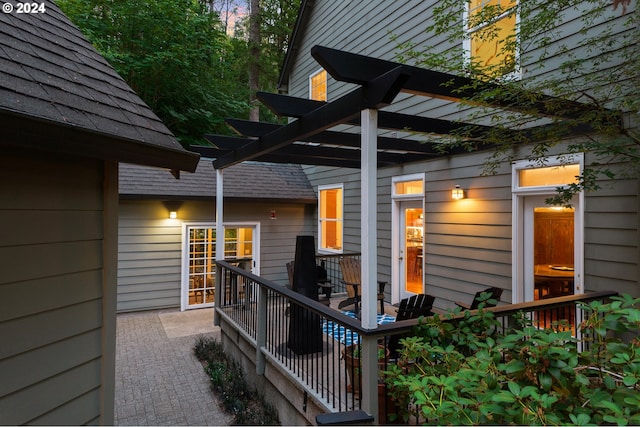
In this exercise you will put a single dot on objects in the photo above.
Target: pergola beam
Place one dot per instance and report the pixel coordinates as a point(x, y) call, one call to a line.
point(290, 106)
point(357, 69)
point(378, 93)
point(256, 129)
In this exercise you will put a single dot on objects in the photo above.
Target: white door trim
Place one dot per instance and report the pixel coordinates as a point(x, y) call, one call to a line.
point(519, 194)
point(395, 227)
point(184, 264)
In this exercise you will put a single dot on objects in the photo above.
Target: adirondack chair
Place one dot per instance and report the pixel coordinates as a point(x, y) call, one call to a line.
point(351, 277)
point(410, 308)
point(494, 294)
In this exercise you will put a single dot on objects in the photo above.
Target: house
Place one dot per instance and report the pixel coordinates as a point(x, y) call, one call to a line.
point(423, 220)
point(168, 262)
point(440, 226)
point(68, 120)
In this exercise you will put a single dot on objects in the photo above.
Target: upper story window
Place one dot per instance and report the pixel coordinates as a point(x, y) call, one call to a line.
point(318, 86)
point(330, 211)
point(491, 30)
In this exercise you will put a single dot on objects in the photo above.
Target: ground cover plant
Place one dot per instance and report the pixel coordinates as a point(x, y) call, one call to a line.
point(247, 406)
point(467, 373)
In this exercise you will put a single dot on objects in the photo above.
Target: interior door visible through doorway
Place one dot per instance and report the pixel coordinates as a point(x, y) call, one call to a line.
point(550, 249)
point(411, 260)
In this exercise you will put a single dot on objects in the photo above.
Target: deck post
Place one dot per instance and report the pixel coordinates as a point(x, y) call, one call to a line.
point(261, 333)
point(368, 228)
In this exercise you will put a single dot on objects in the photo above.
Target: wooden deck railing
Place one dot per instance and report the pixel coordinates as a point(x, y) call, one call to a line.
point(311, 341)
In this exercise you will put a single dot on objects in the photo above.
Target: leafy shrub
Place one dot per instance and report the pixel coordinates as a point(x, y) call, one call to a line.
point(467, 373)
point(227, 381)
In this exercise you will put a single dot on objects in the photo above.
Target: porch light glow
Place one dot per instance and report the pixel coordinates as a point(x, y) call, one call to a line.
point(172, 206)
point(457, 193)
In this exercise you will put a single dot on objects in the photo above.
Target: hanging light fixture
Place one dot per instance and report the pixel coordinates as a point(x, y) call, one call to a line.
point(457, 193)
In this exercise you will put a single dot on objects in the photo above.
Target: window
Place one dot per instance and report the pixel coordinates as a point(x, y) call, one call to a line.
point(491, 30)
point(318, 86)
point(409, 187)
point(330, 218)
point(549, 176)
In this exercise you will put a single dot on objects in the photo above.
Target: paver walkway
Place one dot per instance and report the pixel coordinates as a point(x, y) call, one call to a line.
point(159, 381)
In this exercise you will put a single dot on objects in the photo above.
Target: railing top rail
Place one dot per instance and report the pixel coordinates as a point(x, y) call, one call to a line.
point(403, 325)
point(313, 305)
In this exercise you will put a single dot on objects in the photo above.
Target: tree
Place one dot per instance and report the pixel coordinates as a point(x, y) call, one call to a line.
point(254, 59)
point(276, 19)
point(598, 66)
point(173, 53)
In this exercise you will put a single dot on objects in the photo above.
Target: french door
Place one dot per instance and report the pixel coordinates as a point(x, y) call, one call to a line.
point(411, 241)
point(199, 255)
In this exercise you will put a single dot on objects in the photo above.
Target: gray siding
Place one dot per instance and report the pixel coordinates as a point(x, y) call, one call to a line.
point(465, 250)
point(468, 244)
point(150, 257)
point(51, 281)
point(612, 237)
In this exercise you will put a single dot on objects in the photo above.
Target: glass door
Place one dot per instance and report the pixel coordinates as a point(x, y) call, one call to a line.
point(201, 270)
point(550, 259)
point(411, 248)
point(240, 248)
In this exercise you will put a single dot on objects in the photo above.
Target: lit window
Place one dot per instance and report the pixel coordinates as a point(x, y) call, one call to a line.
point(330, 218)
point(318, 86)
point(491, 27)
point(549, 176)
point(409, 187)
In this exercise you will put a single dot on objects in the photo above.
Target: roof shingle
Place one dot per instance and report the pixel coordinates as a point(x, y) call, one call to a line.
point(248, 180)
point(51, 73)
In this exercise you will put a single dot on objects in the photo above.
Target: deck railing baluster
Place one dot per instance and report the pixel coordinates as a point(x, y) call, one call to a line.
point(262, 315)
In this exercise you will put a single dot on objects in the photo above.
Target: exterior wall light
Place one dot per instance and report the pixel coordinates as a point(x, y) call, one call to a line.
point(172, 206)
point(273, 214)
point(457, 193)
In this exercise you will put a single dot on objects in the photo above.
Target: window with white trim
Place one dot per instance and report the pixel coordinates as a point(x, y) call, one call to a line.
point(330, 218)
point(491, 31)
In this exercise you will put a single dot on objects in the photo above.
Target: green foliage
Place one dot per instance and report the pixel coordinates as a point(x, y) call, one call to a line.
point(227, 381)
point(172, 53)
point(599, 67)
point(178, 58)
point(467, 373)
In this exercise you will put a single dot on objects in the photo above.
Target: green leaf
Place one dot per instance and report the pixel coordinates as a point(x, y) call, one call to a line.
point(580, 419)
point(504, 396)
point(514, 388)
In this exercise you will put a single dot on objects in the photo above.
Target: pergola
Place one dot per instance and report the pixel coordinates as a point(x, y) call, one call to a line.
point(308, 138)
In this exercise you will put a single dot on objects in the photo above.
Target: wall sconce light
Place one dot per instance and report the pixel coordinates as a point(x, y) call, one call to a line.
point(273, 214)
point(457, 193)
point(172, 206)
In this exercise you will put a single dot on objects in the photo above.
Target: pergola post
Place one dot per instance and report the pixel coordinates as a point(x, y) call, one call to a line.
point(219, 241)
point(368, 228)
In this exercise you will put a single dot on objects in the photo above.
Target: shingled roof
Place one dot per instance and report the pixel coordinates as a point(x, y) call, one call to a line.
point(58, 94)
point(247, 180)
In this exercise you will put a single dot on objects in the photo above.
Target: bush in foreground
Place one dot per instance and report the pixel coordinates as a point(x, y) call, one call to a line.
point(466, 373)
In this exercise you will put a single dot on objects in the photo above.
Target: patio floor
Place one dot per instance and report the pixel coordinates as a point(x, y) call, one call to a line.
point(158, 379)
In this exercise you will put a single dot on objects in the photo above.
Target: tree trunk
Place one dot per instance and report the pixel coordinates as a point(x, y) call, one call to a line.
point(254, 51)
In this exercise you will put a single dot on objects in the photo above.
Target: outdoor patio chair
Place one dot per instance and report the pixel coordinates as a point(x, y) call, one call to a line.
point(410, 308)
point(494, 295)
point(351, 277)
